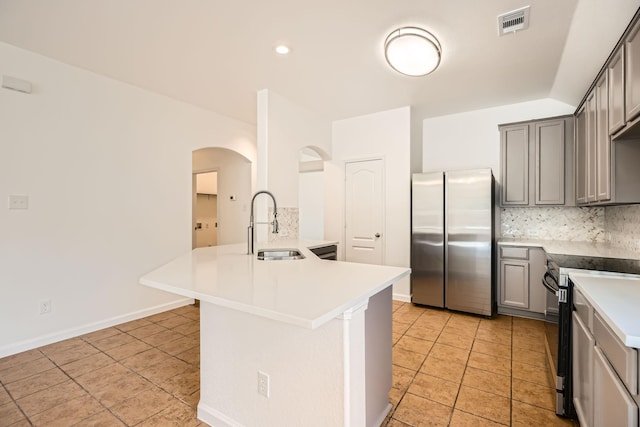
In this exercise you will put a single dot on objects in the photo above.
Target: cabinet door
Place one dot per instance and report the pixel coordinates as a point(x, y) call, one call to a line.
point(515, 164)
point(581, 157)
point(514, 283)
point(537, 292)
point(591, 147)
point(615, 74)
point(612, 404)
point(582, 365)
point(549, 172)
point(603, 142)
point(632, 73)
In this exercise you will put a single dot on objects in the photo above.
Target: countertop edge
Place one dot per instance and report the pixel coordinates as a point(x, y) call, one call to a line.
point(311, 322)
point(628, 340)
point(355, 301)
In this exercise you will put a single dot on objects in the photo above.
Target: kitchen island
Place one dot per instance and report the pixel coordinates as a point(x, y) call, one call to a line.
point(283, 342)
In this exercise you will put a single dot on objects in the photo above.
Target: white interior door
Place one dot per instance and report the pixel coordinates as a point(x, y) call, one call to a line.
point(364, 211)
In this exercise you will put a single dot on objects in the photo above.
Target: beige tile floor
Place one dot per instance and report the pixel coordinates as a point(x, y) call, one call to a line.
point(452, 369)
point(449, 369)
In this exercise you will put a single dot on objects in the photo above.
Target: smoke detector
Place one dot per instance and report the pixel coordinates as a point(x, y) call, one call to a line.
point(516, 20)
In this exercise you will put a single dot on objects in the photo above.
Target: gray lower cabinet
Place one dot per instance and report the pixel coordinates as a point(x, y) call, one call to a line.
point(537, 163)
point(520, 276)
point(583, 345)
point(514, 283)
point(613, 406)
point(604, 370)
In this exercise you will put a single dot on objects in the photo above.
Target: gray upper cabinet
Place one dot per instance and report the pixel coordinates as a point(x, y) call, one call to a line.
point(591, 147)
point(537, 163)
point(581, 157)
point(549, 173)
point(632, 73)
point(607, 143)
point(615, 73)
point(514, 143)
point(603, 141)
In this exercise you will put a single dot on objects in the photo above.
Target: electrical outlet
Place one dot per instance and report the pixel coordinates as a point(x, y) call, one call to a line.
point(18, 202)
point(263, 384)
point(45, 306)
point(533, 233)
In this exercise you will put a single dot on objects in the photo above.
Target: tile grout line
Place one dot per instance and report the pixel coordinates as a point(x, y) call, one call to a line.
point(84, 340)
point(15, 402)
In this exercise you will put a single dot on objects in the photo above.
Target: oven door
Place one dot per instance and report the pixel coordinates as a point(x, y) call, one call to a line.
point(558, 336)
point(550, 282)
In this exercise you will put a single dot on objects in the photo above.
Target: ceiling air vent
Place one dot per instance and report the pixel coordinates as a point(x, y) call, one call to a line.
point(511, 22)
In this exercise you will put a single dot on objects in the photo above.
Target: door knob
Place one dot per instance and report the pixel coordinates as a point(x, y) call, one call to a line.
point(377, 234)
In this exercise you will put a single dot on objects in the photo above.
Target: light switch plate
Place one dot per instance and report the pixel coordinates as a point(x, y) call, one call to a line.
point(18, 202)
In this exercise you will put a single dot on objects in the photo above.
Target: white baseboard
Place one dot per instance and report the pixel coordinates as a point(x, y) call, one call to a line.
point(402, 297)
point(381, 417)
point(213, 417)
point(19, 347)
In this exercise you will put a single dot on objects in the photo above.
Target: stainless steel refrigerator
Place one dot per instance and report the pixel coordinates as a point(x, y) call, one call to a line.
point(452, 240)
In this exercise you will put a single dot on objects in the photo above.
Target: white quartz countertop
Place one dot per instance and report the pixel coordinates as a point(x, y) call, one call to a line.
point(615, 297)
point(307, 292)
point(564, 247)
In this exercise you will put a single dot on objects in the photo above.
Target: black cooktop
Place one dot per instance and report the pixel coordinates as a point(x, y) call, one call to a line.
point(616, 265)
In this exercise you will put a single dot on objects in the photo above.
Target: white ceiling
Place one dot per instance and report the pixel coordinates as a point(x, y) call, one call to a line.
point(217, 54)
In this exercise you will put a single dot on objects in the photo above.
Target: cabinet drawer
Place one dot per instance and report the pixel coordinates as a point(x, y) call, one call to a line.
point(583, 309)
point(623, 359)
point(513, 252)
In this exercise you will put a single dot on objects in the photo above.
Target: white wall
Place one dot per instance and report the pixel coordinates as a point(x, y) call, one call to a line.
point(311, 201)
point(383, 135)
point(234, 179)
point(472, 140)
point(107, 168)
point(283, 129)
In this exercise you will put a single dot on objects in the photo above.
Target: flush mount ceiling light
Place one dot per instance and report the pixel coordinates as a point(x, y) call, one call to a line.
point(282, 49)
point(412, 51)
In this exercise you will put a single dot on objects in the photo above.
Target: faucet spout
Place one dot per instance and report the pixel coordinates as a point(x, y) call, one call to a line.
point(274, 223)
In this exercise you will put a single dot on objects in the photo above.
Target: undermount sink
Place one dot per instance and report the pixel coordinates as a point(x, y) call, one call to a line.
point(279, 254)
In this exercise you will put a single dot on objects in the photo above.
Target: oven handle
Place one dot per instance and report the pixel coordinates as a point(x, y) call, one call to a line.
point(547, 284)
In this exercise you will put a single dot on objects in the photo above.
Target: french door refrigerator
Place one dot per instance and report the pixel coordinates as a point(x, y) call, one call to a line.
point(452, 243)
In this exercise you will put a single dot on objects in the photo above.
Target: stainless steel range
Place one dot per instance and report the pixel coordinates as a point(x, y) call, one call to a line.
point(557, 281)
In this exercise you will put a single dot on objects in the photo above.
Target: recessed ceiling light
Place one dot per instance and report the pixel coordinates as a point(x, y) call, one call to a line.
point(282, 49)
point(412, 51)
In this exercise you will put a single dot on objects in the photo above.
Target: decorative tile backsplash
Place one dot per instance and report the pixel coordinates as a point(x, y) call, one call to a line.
point(288, 224)
point(622, 226)
point(554, 223)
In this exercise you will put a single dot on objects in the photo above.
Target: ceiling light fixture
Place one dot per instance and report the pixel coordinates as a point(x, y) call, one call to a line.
point(412, 51)
point(282, 49)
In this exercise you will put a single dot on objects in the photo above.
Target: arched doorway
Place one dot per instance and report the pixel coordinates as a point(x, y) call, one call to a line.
point(232, 195)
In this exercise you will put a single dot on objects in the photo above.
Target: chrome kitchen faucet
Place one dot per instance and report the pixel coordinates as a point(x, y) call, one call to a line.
point(250, 233)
